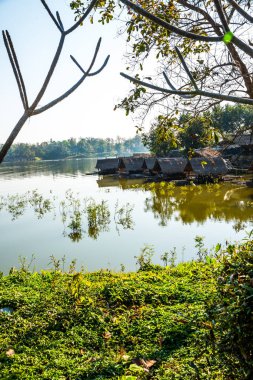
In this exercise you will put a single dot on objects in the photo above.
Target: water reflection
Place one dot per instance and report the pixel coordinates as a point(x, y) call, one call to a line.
point(17, 204)
point(71, 167)
point(191, 204)
point(79, 216)
point(86, 217)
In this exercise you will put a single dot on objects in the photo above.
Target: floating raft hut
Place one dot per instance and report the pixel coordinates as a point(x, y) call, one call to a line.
point(215, 166)
point(131, 165)
point(149, 164)
point(107, 165)
point(172, 167)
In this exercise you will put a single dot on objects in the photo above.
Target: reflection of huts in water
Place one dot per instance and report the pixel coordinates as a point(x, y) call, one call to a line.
point(123, 183)
point(131, 165)
point(107, 165)
point(149, 164)
point(171, 167)
point(207, 168)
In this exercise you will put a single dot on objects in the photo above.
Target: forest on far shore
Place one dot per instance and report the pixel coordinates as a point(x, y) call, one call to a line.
point(83, 147)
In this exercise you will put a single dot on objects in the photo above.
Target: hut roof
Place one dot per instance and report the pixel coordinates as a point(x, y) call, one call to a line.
point(241, 140)
point(150, 162)
point(142, 155)
point(246, 139)
point(107, 164)
point(174, 165)
point(206, 152)
point(206, 166)
point(132, 163)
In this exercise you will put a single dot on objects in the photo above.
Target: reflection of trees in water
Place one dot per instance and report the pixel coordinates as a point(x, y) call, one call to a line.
point(162, 202)
point(198, 203)
point(16, 204)
point(80, 217)
point(162, 207)
point(70, 167)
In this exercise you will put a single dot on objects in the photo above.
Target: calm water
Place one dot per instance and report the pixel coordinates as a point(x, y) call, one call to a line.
point(54, 208)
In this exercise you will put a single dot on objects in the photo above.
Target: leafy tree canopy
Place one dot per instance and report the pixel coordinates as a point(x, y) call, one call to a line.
point(233, 119)
point(214, 53)
point(189, 132)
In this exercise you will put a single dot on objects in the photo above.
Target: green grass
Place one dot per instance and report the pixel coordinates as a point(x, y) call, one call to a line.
point(156, 323)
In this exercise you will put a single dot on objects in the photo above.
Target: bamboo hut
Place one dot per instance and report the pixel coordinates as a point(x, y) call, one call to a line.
point(149, 164)
point(244, 140)
point(171, 167)
point(131, 165)
point(107, 165)
point(207, 168)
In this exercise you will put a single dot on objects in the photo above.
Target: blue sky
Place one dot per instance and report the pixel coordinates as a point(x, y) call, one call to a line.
point(87, 112)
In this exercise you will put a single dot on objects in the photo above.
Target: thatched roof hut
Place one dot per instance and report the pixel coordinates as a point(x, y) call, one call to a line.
point(207, 166)
point(107, 165)
point(170, 166)
point(243, 140)
point(150, 163)
point(131, 164)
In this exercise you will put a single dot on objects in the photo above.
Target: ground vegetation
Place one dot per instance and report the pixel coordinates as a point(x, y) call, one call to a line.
point(191, 320)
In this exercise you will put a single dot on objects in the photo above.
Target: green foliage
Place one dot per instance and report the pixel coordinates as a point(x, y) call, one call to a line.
point(169, 258)
point(190, 132)
point(162, 136)
point(144, 260)
point(148, 41)
point(196, 132)
point(84, 147)
point(232, 119)
point(186, 133)
point(192, 321)
point(201, 250)
point(233, 307)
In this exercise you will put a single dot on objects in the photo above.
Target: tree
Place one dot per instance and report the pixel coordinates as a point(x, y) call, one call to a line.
point(162, 136)
point(233, 119)
point(31, 110)
point(203, 46)
point(196, 132)
point(186, 133)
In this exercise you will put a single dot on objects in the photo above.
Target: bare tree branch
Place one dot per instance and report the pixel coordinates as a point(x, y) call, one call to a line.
point(194, 93)
point(31, 111)
point(168, 26)
point(81, 20)
point(95, 72)
point(15, 67)
point(221, 15)
point(240, 10)
point(59, 21)
point(51, 15)
point(186, 69)
point(174, 88)
point(77, 84)
point(223, 33)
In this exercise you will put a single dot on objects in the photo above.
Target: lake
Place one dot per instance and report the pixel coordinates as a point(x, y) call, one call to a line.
point(54, 209)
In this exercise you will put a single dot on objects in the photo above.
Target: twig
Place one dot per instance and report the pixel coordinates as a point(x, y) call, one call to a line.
point(32, 110)
point(169, 26)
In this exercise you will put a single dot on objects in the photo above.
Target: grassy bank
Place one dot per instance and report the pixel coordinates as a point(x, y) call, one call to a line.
point(191, 321)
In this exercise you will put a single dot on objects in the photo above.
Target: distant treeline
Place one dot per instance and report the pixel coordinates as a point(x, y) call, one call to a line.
point(83, 147)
